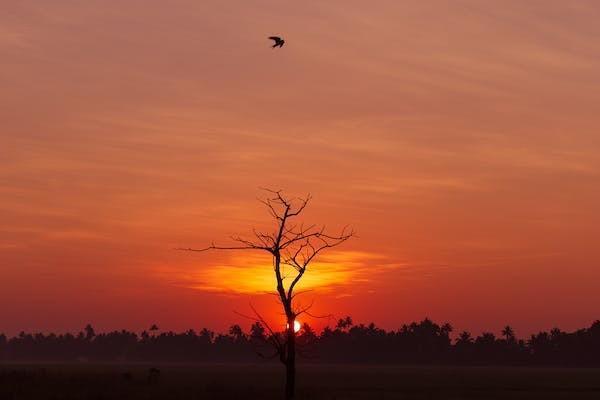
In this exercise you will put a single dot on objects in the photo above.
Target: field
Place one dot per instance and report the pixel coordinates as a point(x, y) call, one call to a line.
point(108, 382)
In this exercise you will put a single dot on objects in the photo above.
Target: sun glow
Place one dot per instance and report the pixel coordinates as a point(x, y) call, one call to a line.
point(297, 326)
point(253, 273)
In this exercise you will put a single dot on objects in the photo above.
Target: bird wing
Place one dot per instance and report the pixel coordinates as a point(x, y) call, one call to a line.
point(275, 38)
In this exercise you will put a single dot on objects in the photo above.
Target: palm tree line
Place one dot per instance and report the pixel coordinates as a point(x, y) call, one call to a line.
point(424, 342)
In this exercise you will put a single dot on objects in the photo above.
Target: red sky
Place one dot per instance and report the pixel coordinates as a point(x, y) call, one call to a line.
point(460, 139)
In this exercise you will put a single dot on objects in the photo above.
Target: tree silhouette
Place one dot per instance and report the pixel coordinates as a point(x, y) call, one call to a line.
point(292, 245)
point(509, 334)
point(89, 332)
point(424, 342)
point(464, 338)
point(237, 333)
point(344, 324)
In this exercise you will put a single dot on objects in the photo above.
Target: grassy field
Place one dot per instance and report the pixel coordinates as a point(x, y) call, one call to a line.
point(108, 382)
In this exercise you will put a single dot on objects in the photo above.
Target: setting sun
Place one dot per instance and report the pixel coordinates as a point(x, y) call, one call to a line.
point(297, 326)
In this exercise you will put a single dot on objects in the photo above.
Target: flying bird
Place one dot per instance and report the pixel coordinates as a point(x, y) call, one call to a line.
point(278, 41)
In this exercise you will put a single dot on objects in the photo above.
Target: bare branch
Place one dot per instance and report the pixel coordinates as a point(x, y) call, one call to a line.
point(262, 320)
point(271, 208)
point(307, 251)
point(305, 309)
point(294, 282)
point(318, 316)
point(303, 204)
point(301, 292)
point(320, 234)
point(273, 336)
point(213, 247)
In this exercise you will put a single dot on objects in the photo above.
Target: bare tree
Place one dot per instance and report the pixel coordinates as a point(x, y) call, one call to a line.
point(292, 246)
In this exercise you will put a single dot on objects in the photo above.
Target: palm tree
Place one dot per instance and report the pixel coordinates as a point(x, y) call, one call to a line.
point(464, 338)
point(509, 334)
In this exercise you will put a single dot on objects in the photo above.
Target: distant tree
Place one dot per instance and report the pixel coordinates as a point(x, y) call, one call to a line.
point(207, 336)
point(89, 332)
point(556, 333)
point(446, 329)
point(237, 333)
point(292, 245)
point(419, 342)
point(307, 341)
point(486, 339)
point(344, 324)
point(509, 334)
point(258, 332)
point(464, 338)
point(463, 347)
point(308, 332)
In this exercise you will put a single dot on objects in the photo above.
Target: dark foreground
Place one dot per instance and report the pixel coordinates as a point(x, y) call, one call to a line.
point(108, 382)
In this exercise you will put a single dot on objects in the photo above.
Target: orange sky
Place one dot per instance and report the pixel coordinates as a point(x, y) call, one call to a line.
point(460, 139)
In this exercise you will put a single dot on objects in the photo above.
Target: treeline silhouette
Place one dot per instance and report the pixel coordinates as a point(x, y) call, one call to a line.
point(424, 342)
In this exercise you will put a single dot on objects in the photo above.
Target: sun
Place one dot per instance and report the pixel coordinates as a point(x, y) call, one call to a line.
point(297, 326)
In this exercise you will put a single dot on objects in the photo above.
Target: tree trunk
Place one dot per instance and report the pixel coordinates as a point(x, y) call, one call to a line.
point(290, 362)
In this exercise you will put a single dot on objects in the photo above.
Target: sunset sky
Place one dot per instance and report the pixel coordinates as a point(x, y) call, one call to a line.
point(460, 139)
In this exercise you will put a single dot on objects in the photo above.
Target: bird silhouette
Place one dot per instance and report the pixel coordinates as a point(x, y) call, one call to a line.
point(278, 41)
